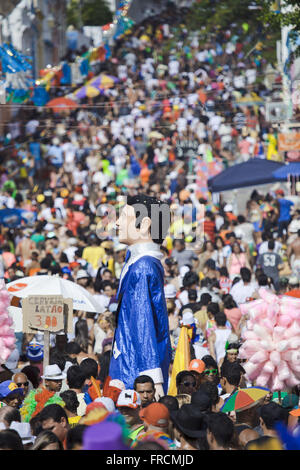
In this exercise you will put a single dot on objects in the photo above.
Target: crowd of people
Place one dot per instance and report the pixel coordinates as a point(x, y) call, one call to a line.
point(175, 96)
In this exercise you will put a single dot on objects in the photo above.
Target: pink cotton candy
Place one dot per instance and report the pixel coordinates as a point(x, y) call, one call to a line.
point(250, 335)
point(284, 320)
point(269, 367)
point(278, 332)
point(261, 331)
point(267, 345)
point(263, 379)
point(283, 371)
point(282, 345)
point(294, 343)
point(260, 356)
point(272, 341)
point(252, 370)
point(7, 337)
point(267, 323)
point(292, 381)
point(8, 341)
point(277, 383)
point(275, 358)
point(291, 356)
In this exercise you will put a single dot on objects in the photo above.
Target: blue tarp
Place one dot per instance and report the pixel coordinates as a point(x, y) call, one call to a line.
point(283, 173)
point(250, 173)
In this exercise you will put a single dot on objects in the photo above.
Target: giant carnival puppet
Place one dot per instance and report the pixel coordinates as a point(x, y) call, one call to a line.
point(142, 341)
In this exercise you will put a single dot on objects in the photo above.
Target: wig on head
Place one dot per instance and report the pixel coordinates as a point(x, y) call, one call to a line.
point(158, 211)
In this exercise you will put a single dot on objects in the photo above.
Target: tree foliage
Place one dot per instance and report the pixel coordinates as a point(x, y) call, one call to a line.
point(211, 16)
point(88, 13)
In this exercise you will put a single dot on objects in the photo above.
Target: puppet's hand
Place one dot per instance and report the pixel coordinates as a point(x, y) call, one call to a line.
point(159, 391)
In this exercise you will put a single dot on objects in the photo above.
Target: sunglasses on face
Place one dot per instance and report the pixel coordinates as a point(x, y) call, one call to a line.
point(19, 385)
point(211, 372)
point(189, 384)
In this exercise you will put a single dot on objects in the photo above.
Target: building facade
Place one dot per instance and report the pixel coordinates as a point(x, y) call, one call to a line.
point(37, 28)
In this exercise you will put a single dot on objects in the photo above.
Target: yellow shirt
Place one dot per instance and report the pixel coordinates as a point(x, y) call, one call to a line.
point(93, 254)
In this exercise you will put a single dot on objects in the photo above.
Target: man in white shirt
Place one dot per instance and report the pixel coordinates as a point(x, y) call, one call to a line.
point(264, 247)
point(244, 289)
point(245, 230)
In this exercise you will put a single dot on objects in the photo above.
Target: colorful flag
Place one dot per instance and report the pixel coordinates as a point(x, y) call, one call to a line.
point(181, 360)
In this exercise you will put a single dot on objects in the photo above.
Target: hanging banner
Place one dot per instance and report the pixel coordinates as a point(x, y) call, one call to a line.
point(289, 141)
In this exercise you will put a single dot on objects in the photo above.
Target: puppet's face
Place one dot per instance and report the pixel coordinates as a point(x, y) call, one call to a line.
point(128, 233)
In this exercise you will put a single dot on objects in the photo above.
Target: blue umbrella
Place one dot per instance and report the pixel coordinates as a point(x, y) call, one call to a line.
point(291, 169)
point(253, 172)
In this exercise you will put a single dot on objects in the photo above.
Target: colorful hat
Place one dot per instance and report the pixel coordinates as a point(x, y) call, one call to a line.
point(155, 414)
point(35, 351)
point(8, 387)
point(129, 399)
point(36, 400)
point(104, 436)
point(107, 402)
point(198, 365)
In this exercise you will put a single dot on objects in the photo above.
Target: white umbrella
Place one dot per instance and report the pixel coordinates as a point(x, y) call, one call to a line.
point(54, 285)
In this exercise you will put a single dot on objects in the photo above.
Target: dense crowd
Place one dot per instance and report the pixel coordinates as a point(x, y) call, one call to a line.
point(172, 107)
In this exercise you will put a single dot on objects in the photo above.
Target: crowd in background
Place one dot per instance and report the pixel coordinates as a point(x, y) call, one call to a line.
point(173, 94)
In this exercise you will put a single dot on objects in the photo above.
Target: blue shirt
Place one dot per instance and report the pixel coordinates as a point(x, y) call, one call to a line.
point(56, 155)
point(285, 207)
point(35, 150)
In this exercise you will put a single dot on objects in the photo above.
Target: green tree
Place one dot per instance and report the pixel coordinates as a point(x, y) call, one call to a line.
point(88, 13)
point(244, 18)
point(282, 13)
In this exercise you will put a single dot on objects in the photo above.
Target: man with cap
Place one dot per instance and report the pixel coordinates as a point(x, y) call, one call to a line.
point(82, 277)
point(156, 417)
point(10, 394)
point(53, 378)
point(189, 424)
point(198, 367)
point(129, 405)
